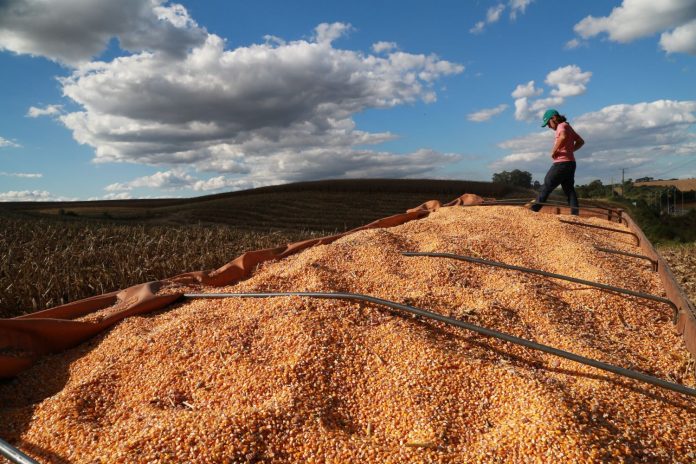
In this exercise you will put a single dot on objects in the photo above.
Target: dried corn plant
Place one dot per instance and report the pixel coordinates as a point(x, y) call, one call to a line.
point(682, 261)
point(45, 262)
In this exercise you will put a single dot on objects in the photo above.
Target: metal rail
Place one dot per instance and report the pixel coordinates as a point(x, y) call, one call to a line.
point(528, 270)
point(464, 325)
point(653, 262)
point(610, 214)
point(559, 203)
point(575, 223)
point(14, 455)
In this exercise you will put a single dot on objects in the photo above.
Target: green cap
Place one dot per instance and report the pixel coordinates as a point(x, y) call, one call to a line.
point(548, 115)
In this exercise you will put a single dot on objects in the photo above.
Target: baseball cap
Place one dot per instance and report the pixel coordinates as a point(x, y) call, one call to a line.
point(548, 115)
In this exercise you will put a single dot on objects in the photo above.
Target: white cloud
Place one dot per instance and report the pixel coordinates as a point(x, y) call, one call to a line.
point(49, 110)
point(74, 31)
point(166, 180)
point(573, 44)
point(569, 81)
point(25, 175)
point(222, 183)
point(381, 47)
point(293, 166)
point(486, 114)
point(494, 13)
point(615, 136)
point(492, 16)
point(113, 196)
point(526, 90)
point(566, 81)
point(634, 19)
point(254, 114)
point(518, 6)
point(326, 33)
point(680, 40)
point(478, 28)
point(8, 143)
point(240, 111)
point(31, 195)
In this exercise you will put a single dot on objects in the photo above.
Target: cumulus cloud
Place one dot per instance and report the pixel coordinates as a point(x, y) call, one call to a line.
point(31, 195)
point(272, 111)
point(8, 143)
point(252, 115)
point(564, 82)
point(166, 180)
point(680, 40)
point(380, 47)
point(25, 175)
point(326, 33)
point(568, 81)
point(634, 19)
point(526, 90)
point(486, 114)
point(49, 110)
point(294, 166)
point(616, 136)
point(73, 32)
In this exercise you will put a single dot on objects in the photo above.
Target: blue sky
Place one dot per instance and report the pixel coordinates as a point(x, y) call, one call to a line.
point(147, 98)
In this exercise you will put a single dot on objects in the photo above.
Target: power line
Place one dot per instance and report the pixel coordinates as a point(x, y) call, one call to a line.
point(675, 167)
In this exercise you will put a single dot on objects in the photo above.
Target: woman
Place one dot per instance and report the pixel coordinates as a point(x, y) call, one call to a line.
point(562, 171)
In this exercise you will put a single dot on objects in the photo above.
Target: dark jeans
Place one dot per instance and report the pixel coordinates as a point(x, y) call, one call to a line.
point(562, 174)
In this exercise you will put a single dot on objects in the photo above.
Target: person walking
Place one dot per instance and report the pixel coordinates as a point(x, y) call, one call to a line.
point(562, 171)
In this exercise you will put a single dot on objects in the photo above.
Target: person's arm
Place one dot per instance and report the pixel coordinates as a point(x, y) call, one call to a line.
point(579, 142)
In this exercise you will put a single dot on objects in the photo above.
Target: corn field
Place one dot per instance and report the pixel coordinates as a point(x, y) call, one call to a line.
point(682, 260)
point(48, 262)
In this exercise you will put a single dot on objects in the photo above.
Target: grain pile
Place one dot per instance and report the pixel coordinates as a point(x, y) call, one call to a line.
point(300, 380)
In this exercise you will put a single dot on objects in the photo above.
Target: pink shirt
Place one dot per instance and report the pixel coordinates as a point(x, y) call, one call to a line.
point(565, 151)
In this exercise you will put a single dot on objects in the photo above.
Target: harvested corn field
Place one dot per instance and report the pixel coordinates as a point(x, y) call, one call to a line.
point(682, 261)
point(300, 380)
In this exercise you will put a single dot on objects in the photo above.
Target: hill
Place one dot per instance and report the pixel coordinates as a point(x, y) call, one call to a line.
point(683, 185)
point(326, 205)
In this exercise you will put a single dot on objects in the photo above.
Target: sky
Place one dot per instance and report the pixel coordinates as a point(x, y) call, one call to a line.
point(150, 98)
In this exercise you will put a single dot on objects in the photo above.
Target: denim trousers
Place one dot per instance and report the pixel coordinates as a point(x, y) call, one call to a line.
point(562, 174)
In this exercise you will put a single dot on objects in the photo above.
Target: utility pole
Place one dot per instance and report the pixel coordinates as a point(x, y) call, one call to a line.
point(623, 171)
